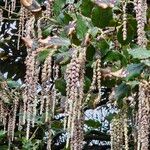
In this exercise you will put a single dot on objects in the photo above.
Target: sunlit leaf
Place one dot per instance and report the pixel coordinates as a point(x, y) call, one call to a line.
point(43, 55)
point(13, 84)
point(140, 53)
point(81, 27)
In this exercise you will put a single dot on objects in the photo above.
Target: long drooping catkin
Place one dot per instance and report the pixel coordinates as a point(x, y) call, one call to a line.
point(75, 78)
point(144, 116)
point(140, 9)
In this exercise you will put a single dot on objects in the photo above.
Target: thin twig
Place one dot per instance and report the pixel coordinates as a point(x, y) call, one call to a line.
point(8, 10)
point(33, 135)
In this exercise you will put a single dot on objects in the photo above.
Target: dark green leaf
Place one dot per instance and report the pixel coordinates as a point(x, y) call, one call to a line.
point(46, 32)
point(86, 7)
point(101, 17)
point(4, 147)
point(43, 55)
point(64, 18)
point(93, 123)
point(2, 134)
point(110, 116)
point(90, 53)
point(103, 46)
point(121, 91)
point(56, 125)
point(124, 93)
point(87, 83)
point(81, 27)
point(115, 56)
point(61, 86)
point(57, 6)
point(134, 70)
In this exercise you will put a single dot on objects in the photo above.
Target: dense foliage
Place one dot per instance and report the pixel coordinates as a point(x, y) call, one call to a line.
point(74, 74)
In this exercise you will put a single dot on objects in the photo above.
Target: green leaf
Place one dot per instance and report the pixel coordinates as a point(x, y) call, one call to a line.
point(86, 7)
point(13, 84)
point(134, 70)
point(93, 31)
point(59, 41)
point(115, 56)
point(2, 134)
point(140, 53)
point(146, 62)
point(57, 6)
point(121, 91)
point(62, 58)
point(56, 125)
point(61, 86)
point(70, 1)
point(90, 53)
point(81, 27)
point(110, 116)
point(64, 18)
point(133, 84)
point(103, 46)
point(101, 17)
point(27, 144)
point(43, 55)
point(93, 123)
point(87, 83)
point(46, 32)
point(4, 147)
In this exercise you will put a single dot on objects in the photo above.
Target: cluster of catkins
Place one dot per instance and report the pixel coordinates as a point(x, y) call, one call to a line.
point(8, 113)
point(73, 109)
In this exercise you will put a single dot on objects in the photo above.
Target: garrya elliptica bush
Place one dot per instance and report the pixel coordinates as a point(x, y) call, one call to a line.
point(60, 59)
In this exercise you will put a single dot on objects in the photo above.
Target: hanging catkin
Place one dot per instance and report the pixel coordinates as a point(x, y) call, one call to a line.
point(96, 81)
point(30, 96)
point(126, 132)
point(74, 79)
point(116, 132)
point(1, 16)
point(21, 25)
point(46, 79)
point(144, 116)
point(15, 107)
point(124, 30)
point(49, 93)
point(140, 9)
